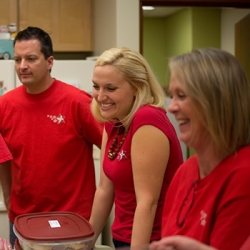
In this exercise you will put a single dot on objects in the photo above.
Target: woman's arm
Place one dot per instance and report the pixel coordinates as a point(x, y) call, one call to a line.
point(179, 243)
point(149, 153)
point(5, 180)
point(104, 197)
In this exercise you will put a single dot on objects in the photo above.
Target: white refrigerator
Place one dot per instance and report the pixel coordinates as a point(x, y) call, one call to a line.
point(7, 76)
point(75, 72)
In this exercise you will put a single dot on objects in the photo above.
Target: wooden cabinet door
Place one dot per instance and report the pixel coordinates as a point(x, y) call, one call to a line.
point(8, 12)
point(37, 13)
point(242, 41)
point(69, 22)
point(73, 25)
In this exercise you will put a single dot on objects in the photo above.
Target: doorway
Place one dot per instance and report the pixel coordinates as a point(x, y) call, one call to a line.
point(176, 4)
point(242, 41)
point(159, 62)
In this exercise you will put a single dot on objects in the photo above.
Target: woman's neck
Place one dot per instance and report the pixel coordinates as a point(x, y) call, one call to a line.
point(208, 159)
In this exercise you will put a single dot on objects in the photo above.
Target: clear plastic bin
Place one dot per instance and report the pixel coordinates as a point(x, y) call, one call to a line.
point(53, 231)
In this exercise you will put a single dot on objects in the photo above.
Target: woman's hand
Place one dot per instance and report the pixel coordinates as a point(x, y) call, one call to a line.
point(178, 243)
point(4, 244)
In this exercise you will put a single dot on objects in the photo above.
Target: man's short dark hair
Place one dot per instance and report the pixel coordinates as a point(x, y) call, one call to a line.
point(39, 34)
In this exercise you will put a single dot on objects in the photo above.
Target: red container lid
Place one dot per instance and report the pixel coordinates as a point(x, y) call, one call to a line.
point(53, 227)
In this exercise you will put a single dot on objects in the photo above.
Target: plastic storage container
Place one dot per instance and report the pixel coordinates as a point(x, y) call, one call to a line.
point(52, 231)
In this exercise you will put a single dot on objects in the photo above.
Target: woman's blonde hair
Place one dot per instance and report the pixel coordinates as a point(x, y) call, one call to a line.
point(218, 87)
point(138, 73)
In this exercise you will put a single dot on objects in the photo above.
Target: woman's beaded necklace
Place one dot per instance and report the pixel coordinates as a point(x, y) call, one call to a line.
point(115, 146)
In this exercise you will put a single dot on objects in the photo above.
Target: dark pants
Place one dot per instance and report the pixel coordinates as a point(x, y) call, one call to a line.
point(118, 244)
point(12, 235)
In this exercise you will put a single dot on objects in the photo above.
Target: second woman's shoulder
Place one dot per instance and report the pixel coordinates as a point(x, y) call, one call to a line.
point(149, 115)
point(150, 110)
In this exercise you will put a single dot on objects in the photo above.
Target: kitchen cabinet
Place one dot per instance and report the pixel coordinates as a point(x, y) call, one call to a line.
point(69, 22)
point(8, 12)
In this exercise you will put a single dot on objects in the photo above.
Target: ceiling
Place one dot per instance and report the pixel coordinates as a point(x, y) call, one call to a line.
point(161, 11)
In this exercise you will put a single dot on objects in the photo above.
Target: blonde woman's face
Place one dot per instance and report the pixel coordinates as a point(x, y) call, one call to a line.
point(114, 95)
point(192, 132)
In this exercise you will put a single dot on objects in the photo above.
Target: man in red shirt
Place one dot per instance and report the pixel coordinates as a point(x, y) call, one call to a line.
point(50, 131)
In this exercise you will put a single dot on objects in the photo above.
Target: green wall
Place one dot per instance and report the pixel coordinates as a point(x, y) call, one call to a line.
point(154, 46)
point(206, 27)
point(179, 33)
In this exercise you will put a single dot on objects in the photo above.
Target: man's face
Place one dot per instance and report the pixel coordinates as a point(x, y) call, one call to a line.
point(31, 66)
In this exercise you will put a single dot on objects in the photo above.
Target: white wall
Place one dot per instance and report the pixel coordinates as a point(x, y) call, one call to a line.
point(75, 72)
point(116, 24)
point(7, 74)
point(104, 25)
point(128, 24)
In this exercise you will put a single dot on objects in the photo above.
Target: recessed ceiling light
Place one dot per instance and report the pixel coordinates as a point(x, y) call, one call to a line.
point(148, 8)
